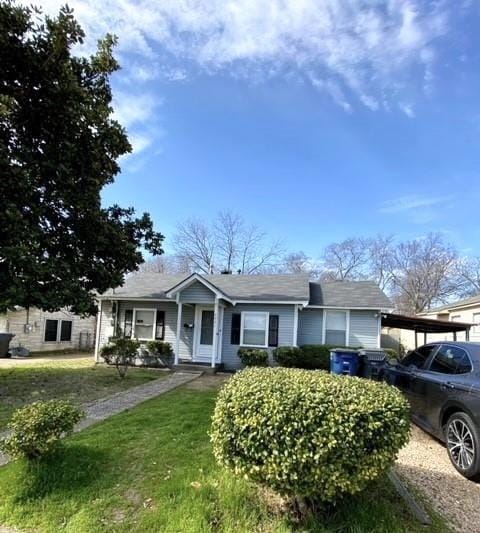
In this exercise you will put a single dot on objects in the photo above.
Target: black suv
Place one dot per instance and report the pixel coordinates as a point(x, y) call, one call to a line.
point(442, 383)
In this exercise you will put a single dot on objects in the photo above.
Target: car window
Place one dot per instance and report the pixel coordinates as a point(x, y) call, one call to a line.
point(419, 356)
point(451, 360)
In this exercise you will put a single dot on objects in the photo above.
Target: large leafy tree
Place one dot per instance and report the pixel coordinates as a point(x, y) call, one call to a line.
point(59, 147)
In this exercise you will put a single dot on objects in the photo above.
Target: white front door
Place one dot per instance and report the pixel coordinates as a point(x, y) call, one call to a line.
point(203, 334)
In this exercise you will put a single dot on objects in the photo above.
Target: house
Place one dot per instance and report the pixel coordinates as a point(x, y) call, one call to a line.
point(208, 318)
point(41, 331)
point(466, 310)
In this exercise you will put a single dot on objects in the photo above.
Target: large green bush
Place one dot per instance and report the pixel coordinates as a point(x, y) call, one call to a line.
point(308, 434)
point(253, 356)
point(36, 429)
point(308, 356)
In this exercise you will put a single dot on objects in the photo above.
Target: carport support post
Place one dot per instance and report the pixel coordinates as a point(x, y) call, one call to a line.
point(424, 337)
point(416, 340)
point(179, 331)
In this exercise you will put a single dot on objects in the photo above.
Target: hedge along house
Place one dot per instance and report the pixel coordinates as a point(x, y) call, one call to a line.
point(208, 318)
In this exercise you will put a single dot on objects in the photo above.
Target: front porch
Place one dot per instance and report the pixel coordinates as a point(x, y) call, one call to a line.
point(206, 333)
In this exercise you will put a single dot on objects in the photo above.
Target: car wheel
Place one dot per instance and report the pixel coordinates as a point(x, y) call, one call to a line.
point(463, 444)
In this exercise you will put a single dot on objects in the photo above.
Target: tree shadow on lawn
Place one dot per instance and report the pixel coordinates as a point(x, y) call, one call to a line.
point(68, 470)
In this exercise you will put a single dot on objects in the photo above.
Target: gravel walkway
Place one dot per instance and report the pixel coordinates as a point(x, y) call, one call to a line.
point(424, 463)
point(121, 401)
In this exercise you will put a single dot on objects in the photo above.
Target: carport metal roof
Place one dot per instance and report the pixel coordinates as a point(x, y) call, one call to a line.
point(424, 325)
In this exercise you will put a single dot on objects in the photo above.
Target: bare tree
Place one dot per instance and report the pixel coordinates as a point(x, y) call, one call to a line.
point(257, 255)
point(229, 229)
point(298, 263)
point(228, 243)
point(379, 260)
point(346, 260)
point(167, 264)
point(195, 242)
point(423, 273)
point(468, 273)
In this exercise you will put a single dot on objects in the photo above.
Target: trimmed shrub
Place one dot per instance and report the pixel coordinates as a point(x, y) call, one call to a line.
point(308, 434)
point(288, 356)
point(253, 356)
point(159, 353)
point(37, 428)
point(308, 356)
point(120, 352)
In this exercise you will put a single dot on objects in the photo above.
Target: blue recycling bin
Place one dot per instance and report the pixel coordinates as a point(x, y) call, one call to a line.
point(344, 361)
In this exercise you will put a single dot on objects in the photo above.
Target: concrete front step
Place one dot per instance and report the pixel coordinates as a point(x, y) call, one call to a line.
point(197, 367)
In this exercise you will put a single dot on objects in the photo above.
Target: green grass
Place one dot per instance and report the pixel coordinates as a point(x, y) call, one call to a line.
point(78, 380)
point(151, 470)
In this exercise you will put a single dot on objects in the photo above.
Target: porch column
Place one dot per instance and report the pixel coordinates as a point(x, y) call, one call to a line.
point(216, 311)
point(97, 332)
point(179, 331)
point(295, 325)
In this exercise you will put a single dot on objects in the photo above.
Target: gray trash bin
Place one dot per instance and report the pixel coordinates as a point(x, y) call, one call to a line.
point(373, 362)
point(5, 339)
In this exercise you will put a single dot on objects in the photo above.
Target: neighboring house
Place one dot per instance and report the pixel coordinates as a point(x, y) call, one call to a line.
point(41, 331)
point(466, 310)
point(208, 318)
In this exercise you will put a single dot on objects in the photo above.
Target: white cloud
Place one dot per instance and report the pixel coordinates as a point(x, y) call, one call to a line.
point(358, 51)
point(407, 109)
point(416, 208)
point(411, 202)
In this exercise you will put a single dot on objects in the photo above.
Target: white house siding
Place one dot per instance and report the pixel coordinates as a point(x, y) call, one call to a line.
point(285, 329)
point(310, 324)
point(197, 293)
point(83, 329)
point(459, 315)
point(364, 329)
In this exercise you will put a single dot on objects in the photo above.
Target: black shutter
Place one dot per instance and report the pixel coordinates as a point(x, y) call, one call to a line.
point(127, 325)
point(160, 326)
point(273, 330)
point(235, 331)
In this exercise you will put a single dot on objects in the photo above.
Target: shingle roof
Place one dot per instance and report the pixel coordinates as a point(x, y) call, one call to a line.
point(275, 287)
point(348, 294)
point(459, 303)
point(289, 287)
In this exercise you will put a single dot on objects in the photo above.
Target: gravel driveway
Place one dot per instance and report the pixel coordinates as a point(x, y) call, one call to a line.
point(424, 463)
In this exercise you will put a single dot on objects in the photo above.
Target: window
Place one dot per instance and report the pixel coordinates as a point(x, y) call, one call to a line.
point(51, 329)
point(336, 328)
point(476, 321)
point(66, 331)
point(254, 331)
point(206, 330)
point(54, 333)
point(419, 356)
point(451, 360)
point(144, 320)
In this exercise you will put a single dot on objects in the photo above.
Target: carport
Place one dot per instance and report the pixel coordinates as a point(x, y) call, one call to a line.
point(424, 325)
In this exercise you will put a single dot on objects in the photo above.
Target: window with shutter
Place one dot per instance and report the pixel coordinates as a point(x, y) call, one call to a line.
point(235, 330)
point(273, 330)
point(160, 326)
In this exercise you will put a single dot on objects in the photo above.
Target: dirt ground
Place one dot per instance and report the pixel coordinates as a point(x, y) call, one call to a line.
point(425, 465)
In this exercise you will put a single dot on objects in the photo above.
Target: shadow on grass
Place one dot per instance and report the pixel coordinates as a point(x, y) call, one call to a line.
point(70, 469)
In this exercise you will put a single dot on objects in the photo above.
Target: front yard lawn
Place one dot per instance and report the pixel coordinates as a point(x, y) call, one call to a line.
point(78, 380)
point(151, 470)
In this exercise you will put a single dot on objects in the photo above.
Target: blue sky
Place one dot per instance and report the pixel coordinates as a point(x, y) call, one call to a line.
point(316, 122)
